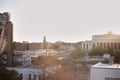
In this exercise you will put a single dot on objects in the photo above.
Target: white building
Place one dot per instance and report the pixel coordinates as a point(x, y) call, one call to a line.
point(105, 72)
point(24, 60)
point(87, 45)
point(28, 71)
point(107, 41)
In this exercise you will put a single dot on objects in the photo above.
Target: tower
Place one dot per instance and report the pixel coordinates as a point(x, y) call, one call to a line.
point(6, 39)
point(44, 43)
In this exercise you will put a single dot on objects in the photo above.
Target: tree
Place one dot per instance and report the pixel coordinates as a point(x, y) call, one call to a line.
point(117, 57)
point(77, 52)
point(97, 51)
point(48, 60)
point(56, 46)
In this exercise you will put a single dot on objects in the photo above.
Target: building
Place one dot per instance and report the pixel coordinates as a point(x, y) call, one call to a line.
point(26, 46)
point(35, 46)
point(105, 72)
point(45, 44)
point(29, 73)
point(6, 39)
point(87, 45)
point(18, 46)
point(107, 41)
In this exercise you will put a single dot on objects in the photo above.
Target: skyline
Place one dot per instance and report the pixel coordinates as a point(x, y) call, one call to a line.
point(64, 20)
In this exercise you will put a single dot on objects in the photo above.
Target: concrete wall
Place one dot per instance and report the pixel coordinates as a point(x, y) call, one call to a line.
point(102, 73)
point(29, 74)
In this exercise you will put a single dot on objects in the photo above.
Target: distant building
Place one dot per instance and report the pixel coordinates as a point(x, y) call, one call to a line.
point(107, 41)
point(29, 73)
point(35, 46)
point(44, 43)
point(24, 46)
point(87, 45)
point(18, 46)
point(105, 72)
point(24, 61)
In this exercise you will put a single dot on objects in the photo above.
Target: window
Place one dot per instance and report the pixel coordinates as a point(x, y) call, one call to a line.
point(112, 78)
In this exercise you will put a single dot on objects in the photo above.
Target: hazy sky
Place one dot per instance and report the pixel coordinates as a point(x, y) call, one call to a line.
point(64, 20)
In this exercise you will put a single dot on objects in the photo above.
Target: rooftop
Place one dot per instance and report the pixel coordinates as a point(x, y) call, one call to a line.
point(106, 66)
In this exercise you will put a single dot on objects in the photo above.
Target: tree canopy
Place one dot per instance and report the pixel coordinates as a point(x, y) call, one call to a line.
point(98, 51)
point(77, 52)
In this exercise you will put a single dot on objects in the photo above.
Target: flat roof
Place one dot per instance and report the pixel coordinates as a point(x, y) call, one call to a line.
point(106, 66)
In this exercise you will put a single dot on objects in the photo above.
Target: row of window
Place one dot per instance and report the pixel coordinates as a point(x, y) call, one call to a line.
point(114, 46)
point(109, 45)
point(112, 78)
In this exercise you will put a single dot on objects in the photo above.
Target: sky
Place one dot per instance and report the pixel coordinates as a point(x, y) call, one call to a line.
point(62, 20)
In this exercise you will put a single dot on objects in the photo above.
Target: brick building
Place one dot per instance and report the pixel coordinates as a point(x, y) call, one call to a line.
point(6, 39)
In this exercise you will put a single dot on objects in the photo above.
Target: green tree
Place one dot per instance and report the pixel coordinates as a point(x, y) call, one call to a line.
point(97, 51)
point(116, 57)
point(77, 52)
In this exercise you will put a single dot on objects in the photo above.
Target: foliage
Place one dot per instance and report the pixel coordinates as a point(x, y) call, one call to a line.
point(117, 57)
point(8, 75)
point(55, 46)
point(77, 52)
point(97, 51)
point(47, 60)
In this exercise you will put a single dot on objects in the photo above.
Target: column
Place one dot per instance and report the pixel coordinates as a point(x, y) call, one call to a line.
point(34, 76)
point(102, 45)
point(99, 44)
point(30, 77)
point(87, 46)
point(106, 45)
point(117, 46)
point(110, 45)
point(113, 46)
point(82, 45)
point(95, 44)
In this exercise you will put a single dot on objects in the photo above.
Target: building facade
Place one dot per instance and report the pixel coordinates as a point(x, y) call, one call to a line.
point(107, 41)
point(101, 71)
point(6, 39)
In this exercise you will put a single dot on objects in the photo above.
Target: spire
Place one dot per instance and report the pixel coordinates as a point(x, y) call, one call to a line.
point(44, 43)
point(44, 39)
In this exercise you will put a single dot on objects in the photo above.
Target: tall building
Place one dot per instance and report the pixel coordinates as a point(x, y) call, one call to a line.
point(107, 41)
point(6, 39)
